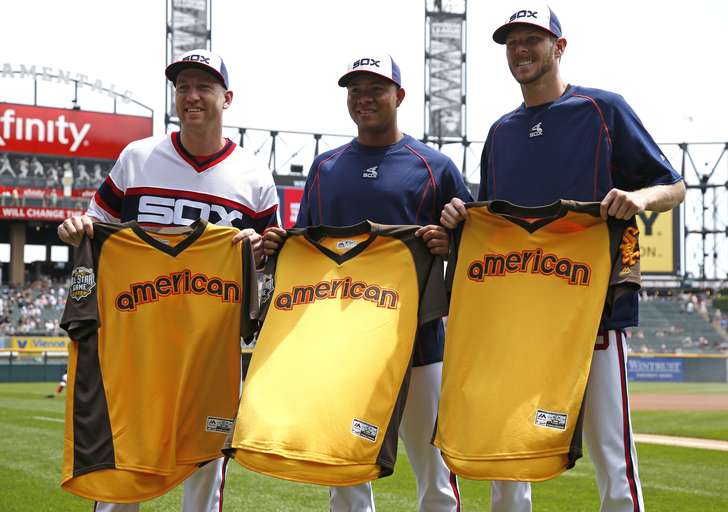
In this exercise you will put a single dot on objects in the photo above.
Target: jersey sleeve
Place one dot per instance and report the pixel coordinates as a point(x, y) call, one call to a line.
point(106, 203)
point(484, 164)
point(267, 286)
point(249, 311)
point(452, 258)
point(620, 305)
point(433, 303)
point(305, 216)
point(268, 212)
point(637, 161)
point(453, 185)
point(81, 316)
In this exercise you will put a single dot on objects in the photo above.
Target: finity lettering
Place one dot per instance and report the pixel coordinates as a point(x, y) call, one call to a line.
point(530, 260)
point(177, 283)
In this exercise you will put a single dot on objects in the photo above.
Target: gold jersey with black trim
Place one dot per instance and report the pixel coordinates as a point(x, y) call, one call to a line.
point(327, 382)
point(528, 287)
point(155, 320)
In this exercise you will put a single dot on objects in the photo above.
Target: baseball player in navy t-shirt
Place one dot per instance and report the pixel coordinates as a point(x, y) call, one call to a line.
point(572, 142)
point(388, 177)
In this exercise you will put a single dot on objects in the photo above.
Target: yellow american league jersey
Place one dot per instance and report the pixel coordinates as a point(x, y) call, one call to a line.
point(155, 320)
point(528, 287)
point(328, 379)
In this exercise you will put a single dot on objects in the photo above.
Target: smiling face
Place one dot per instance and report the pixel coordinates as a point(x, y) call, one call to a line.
point(200, 98)
point(533, 54)
point(373, 102)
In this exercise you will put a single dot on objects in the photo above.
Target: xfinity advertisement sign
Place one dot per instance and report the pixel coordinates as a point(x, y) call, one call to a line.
point(661, 369)
point(70, 133)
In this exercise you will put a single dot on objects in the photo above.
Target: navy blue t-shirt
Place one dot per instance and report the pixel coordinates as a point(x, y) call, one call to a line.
point(405, 183)
point(578, 147)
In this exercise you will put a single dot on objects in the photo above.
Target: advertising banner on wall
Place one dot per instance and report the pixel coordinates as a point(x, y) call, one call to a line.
point(45, 343)
point(659, 242)
point(289, 199)
point(653, 369)
point(37, 213)
point(71, 133)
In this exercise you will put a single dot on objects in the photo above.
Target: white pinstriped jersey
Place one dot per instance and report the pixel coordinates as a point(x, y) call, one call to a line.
point(157, 182)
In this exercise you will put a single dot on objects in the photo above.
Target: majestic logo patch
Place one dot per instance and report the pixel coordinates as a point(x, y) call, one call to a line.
point(363, 429)
point(370, 173)
point(629, 248)
point(219, 425)
point(337, 289)
point(176, 283)
point(346, 244)
point(82, 283)
point(536, 131)
point(549, 419)
point(533, 261)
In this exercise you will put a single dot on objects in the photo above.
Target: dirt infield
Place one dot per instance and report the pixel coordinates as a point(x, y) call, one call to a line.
point(678, 402)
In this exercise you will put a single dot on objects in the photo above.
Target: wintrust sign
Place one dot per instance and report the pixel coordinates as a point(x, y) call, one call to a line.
point(74, 133)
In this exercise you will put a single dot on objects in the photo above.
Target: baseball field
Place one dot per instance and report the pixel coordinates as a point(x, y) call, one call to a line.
point(673, 478)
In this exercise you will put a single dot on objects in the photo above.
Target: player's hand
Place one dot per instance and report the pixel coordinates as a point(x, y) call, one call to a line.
point(621, 204)
point(435, 238)
point(453, 213)
point(72, 229)
point(256, 242)
point(272, 240)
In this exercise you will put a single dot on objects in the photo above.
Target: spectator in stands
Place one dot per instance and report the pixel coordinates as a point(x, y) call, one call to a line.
point(5, 166)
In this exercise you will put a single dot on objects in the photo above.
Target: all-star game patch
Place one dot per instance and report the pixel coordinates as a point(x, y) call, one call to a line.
point(82, 283)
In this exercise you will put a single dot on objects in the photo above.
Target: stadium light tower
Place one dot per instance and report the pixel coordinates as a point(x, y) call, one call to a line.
point(189, 26)
point(445, 57)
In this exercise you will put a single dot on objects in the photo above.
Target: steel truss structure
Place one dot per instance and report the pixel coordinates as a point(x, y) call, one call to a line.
point(189, 26)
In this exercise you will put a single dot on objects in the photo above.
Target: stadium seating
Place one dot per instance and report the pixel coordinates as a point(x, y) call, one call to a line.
point(668, 325)
point(33, 309)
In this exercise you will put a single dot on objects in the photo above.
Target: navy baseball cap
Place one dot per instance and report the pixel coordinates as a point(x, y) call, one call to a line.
point(382, 65)
point(539, 16)
point(201, 59)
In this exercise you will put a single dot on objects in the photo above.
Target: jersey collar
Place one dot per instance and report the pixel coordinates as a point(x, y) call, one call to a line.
point(210, 161)
point(534, 218)
point(315, 233)
point(196, 230)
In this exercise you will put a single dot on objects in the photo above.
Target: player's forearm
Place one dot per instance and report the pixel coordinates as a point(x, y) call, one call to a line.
point(661, 198)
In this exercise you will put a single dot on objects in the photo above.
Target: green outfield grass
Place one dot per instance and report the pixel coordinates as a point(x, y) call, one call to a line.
point(683, 388)
point(703, 424)
point(31, 430)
